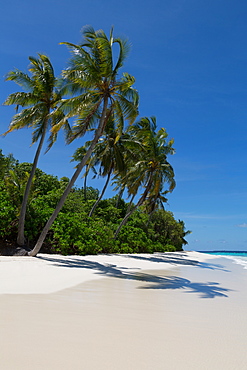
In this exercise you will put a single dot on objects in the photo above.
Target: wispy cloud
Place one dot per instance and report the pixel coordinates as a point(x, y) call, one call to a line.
point(242, 225)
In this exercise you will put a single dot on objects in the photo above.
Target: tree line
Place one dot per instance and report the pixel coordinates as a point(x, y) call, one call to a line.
point(127, 150)
point(73, 231)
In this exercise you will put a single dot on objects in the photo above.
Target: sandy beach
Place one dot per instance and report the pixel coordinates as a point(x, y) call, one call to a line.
point(183, 310)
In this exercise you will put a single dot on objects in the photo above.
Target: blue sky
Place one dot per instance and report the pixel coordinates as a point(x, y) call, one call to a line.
point(189, 58)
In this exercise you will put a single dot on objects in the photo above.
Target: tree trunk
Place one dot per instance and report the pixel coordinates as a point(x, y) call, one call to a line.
point(124, 220)
point(102, 193)
point(83, 162)
point(85, 184)
point(21, 224)
point(139, 203)
point(130, 203)
point(120, 194)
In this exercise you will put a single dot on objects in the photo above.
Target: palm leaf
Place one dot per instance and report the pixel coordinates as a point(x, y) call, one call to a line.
point(21, 78)
point(21, 98)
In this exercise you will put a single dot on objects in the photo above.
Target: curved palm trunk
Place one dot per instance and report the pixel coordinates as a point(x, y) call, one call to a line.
point(102, 193)
point(120, 194)
point(85, 184)
point(83, 162)
point(139, 203)
point(21, 224)
point(150, 215)
point(125, 219)
point(130, 203)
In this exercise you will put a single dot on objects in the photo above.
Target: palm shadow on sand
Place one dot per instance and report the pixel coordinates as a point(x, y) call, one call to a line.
point(176, 259)
point(150, 281)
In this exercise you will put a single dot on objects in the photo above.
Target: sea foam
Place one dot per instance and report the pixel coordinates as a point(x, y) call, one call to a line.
point(239, 258)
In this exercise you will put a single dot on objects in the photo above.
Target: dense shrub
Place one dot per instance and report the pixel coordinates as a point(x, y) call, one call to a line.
point(73, 232)
point(7, 212)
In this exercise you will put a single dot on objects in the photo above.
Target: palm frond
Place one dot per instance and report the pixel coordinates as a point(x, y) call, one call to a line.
point(124, 48)
point(37, 132)
point(128, 109)
point(21, 98)
point(26, 118)
point(118, 118)
point(85, 121)
point(21, 78)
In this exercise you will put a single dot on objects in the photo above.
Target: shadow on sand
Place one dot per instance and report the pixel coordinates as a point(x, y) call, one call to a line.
point(153, 281)
point(176, 259)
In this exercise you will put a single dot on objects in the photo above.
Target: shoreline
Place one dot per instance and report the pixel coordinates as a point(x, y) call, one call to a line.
point(174, 311)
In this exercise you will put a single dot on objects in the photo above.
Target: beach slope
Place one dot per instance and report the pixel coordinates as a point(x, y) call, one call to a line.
point(183, 310)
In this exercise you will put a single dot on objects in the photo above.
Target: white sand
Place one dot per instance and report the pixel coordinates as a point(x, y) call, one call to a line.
point(164, 311)
point(51, 273)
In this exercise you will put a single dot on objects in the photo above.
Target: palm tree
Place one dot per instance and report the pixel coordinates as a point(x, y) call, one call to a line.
point(111, 153)
point(102, 94)
point(39, 111)
point(152, 171)
point(155, 201)
point(16, 187)
point(77, 157)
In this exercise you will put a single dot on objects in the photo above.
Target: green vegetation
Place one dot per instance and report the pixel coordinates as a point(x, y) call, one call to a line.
point(40, 111)
point(73, 232)
point(40, 210)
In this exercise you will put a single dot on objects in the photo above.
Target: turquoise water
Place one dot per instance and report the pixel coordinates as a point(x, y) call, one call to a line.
point(239, 257)
point(228, 253)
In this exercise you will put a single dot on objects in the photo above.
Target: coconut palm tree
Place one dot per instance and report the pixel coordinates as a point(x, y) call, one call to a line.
point(111, 154)
point(155, 201)
point(93, 75)
point(77, 157)
point(16, 187)
point(152, 172)
point(39, 103)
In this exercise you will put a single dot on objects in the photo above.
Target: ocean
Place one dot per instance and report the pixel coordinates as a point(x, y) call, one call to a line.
point(239, 257)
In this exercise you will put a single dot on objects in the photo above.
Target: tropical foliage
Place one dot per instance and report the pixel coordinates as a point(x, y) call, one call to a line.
point(91, 97)
point(101, 94)
point(40, 111)
point(73, 232)
point(149, 169)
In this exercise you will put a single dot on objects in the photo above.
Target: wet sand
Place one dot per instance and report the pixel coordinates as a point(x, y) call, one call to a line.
point(165, 311)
